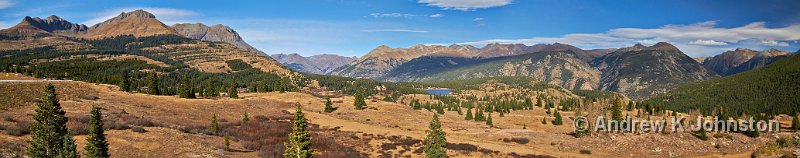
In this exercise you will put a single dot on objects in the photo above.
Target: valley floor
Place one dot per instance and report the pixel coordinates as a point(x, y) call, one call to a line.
point(386, 129)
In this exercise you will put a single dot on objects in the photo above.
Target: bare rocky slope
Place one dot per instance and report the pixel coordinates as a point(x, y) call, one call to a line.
point(215, 33)
point(138, 23)
point(642, 71)
point(740, 60)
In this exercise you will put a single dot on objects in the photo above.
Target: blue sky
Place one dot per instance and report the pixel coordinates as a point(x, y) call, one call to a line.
point(354, 27)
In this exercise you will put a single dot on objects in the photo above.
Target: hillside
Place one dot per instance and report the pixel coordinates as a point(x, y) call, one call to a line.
point(558, 68)
point(642, 71)
point(316, 64)
point(770, 89)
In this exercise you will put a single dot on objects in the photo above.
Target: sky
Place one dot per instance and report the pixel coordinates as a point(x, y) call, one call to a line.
point(354, 27)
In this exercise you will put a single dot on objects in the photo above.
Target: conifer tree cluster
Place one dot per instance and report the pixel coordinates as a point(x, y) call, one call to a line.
point(359, 102)
point(50, 136)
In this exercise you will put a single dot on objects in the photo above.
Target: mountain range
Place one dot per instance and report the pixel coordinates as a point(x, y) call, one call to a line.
point(138, 23)
point(316, 64)
point(206, 49)
point(638, 71)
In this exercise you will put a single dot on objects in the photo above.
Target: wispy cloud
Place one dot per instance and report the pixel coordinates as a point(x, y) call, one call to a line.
point(698, 39)
point(6, 4)
point(392, 15)
point(396, 30)
point(708, 43)
point(166, 15)
point(465, 5)
point(774, 43)
point(477, 19)
point(437, 15)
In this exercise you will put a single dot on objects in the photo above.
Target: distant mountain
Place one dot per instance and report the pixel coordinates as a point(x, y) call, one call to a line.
point(316, 64)
point(561, 68)
point(215, 33)
point(383, 59)
point(740, 60)
point(138, 23)
point(30, 27)
point(770, 89)
point(641, 71)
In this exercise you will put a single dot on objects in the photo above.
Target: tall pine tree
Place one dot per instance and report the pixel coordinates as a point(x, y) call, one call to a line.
point(96, 144)
point(299, 145)
point(152, 84)
point(125, 84)
point(435, 140)
point(214, 125)
point(50, 127)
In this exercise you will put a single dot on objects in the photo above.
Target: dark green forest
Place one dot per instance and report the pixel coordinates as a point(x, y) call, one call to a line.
point(772, 89)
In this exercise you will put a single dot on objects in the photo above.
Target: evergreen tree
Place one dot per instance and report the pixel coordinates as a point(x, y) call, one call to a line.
point(528, 103)
point(489, 120)
point(233, 91)
point(469, 114)
point(299, 145)
point(214, 125)
point(125, 84)
point(69, 150)
point(796, 122)
point(416, 105)
point(227, 143)
point(435, 140)
point(50, 127)
point(544, 120)
point(184, 88)
point(152, 84)
point(245, 118)
point(631, 105)
point(616, 111)
point(359, 102)
point(557, 120)
point(702, 133)
point(479, 115)
point(96, 144)
point(329, 105)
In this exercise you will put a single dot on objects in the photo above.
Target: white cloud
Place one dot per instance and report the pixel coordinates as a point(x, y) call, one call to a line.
point(465, 5)
point(6, 4)
point(774, 43)
point(477, 19)
point(696, 39)
point(392, 15)
point(396, 30)
point(167, 15)
point(437, 16)
point(708, 43)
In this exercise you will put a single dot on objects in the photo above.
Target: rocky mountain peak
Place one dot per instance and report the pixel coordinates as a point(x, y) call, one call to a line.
point(51, 25)
point(137, 23)
point(663, 46)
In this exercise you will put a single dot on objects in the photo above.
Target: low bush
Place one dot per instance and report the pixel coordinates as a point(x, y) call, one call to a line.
point(138, 129)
